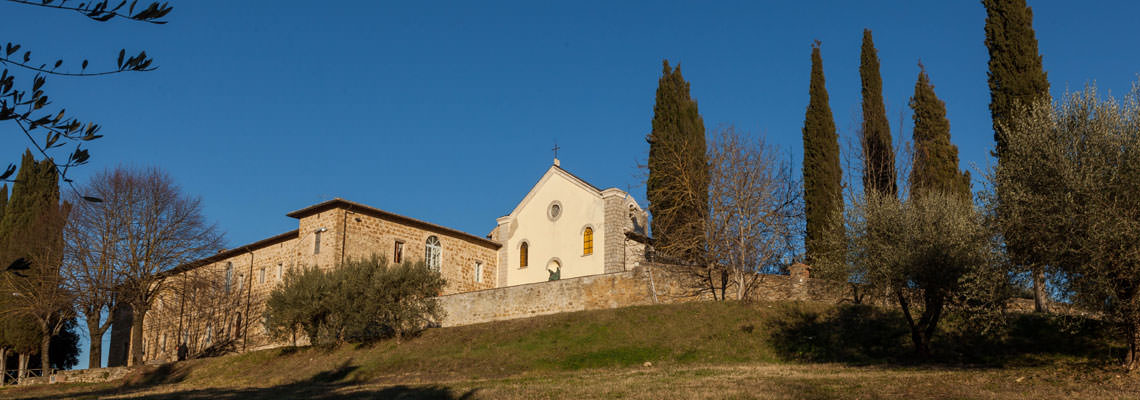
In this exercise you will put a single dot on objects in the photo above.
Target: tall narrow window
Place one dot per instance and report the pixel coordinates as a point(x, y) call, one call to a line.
point(432, 252)
point(522, 254)
point(229, 276)
point(317, 242)
point(478, 272)
point(588, 241)
point(241, 282)
point(280, 268)
point(261, 275)
point(398, 252)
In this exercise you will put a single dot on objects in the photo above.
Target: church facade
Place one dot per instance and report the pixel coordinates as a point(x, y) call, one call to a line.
point(563, 228)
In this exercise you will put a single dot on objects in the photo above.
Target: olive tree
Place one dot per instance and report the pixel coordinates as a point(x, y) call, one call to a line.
point(1068, 186)
point(929, 253)
point(360, 300)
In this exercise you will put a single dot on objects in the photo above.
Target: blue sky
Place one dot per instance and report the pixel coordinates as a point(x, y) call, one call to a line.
point(446, 111)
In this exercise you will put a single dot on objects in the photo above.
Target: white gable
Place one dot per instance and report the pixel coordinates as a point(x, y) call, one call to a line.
point(554, 240)
point(563, 181)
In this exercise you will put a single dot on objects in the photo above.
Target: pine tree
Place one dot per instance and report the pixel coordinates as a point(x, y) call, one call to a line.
point(878, 154)
point(1016, 74)
point(822, 180)
point(677, 187)
point(935, 158)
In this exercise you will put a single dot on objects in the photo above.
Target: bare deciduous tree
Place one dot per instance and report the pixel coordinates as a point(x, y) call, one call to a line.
point(159, 228)
point(755, 209)
point(92, 240)
point(754, 217)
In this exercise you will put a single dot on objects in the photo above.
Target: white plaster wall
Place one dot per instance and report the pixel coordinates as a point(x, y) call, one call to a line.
point(559, 239)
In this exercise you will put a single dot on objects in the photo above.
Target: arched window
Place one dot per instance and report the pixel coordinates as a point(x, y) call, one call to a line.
point(554, 268)
point(588, 241)
point(432, 252)
point(522, 254)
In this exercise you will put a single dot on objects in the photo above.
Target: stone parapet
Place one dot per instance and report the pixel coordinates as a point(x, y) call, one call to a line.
point(646, 284)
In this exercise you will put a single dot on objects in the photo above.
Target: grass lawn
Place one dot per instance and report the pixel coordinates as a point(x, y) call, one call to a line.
point(698, 350)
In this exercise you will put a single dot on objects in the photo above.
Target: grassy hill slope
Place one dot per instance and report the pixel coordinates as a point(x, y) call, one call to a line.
point(604, 353)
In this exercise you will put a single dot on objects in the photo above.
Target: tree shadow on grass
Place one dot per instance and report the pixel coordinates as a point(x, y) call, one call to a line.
point(318, 391)
point(1033, 339)
point(170, 373)
point(861, 335)
point(854, 334)
point(331, 384)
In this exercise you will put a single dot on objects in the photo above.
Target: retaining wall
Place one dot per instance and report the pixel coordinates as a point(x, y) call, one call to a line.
point(645, 284)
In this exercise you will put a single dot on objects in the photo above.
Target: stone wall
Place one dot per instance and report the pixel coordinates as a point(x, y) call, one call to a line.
point(93, 375)
point(643, 285)
point(374, 234)
point(616, 224)
point(198, 309)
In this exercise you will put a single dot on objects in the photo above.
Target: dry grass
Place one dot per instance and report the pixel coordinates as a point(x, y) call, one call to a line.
point(741, 381)
point(705, 350)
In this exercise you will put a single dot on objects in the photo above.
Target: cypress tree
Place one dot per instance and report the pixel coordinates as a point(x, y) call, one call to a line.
point(34, 191)
point(935, 158)
point(677, 186)
point(20, 332)
point(878, 154)
point(32, 229)
point(822, 180)
point(3, 200)
point(1016, 73)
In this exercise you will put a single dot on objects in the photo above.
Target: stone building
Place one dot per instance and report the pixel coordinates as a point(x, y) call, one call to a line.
point(564, 227)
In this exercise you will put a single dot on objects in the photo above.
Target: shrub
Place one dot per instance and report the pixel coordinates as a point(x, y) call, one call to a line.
point(361, 300)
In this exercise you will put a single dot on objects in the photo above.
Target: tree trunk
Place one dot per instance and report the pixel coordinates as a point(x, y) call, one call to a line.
point(1131, 361)
point(95, 354)
point(1040, 297)
point(723, 285)
point(917, 336)
point(739, 286)
point(135, 356)
point(3, 365)
point(95, 332)
point(45, 358)
point(921, 342)
point(23, 366)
